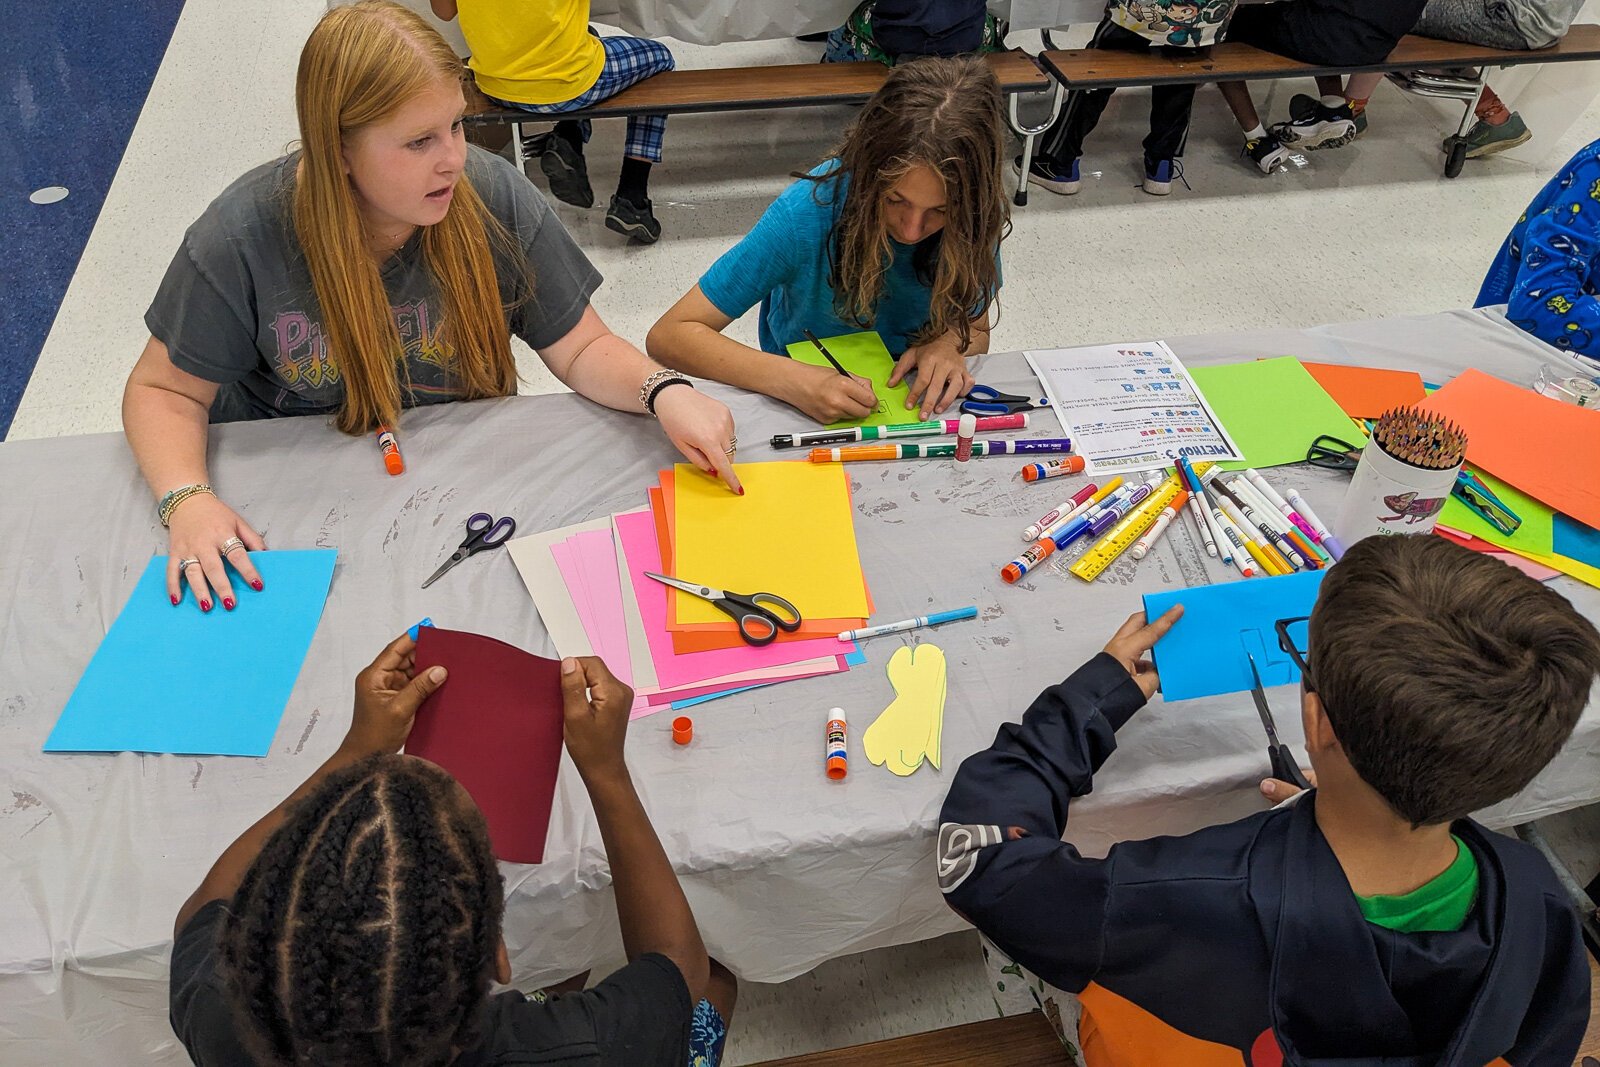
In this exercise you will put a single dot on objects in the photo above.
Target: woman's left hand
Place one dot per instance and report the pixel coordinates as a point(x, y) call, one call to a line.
point(941, 376)
point(700, 427)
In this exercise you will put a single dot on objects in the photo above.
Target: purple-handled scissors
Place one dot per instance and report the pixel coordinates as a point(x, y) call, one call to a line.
point(483, 533)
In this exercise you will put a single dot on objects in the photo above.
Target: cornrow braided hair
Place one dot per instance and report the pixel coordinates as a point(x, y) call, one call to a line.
point(366, 930)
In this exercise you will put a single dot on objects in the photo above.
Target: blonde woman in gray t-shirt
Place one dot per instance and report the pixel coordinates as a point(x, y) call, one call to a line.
point(382, 266)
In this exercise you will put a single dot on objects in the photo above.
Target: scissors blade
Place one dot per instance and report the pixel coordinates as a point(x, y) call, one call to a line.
point(704, 592)
point(455, 557)
point(1260, 696)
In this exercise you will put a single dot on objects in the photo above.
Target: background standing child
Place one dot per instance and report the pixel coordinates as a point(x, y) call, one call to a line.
point(1177, 26)
point(898, 231)
point(358, 922)
point(1371, 922)
point(544, 59)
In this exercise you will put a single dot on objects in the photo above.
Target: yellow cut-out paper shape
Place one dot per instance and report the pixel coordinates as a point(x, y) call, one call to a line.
point(912, 727)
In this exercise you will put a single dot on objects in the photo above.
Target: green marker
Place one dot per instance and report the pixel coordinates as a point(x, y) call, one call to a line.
point(932, 428)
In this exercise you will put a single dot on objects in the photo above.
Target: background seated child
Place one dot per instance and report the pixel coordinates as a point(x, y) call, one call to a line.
point(1548, 270)
point(1372, 921)
point(358, 922)
point(899, 232)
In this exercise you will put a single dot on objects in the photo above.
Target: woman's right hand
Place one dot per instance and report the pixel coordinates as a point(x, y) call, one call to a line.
point(200, 528)
point(828, 396)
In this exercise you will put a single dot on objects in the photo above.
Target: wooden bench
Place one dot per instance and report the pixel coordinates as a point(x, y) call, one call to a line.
point(1091, 68)
point(683, 92)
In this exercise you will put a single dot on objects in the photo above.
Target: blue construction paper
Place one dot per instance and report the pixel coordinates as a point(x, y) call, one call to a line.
point(854, 659)
point(174, 679)
point(1576, 541)
point(1204, 654)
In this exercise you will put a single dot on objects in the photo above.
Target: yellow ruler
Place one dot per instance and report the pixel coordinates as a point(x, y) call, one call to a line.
point(1121, 537)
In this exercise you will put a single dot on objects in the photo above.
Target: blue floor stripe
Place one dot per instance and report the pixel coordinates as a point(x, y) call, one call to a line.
point(75, 75)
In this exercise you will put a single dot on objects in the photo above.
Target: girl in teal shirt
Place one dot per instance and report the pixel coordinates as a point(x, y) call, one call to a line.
point(898, 231)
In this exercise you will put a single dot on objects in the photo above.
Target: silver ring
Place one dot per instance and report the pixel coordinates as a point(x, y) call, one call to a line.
point(230, 544)
point(185, 564)
point(730, 450)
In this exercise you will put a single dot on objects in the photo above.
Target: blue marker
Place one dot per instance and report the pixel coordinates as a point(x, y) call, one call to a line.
point(910, 624)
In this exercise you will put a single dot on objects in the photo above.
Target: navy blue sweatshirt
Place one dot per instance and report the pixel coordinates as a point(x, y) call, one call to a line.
point(1243, 943)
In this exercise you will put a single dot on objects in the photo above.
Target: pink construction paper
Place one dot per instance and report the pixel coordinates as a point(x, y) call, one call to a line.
point(719, 684)
point(641, 553)
point(601, 621)
point(596, 552)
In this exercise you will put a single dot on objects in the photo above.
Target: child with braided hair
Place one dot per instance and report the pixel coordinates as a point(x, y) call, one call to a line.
point(358, 922)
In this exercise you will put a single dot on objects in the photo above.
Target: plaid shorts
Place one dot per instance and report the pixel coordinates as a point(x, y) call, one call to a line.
point(629, 60)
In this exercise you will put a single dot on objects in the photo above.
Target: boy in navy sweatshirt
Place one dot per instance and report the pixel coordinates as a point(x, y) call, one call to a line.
point(1372, 921)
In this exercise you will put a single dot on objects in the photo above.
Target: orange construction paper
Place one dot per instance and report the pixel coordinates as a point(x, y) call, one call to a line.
point(1541, 446)
point(1367, 392)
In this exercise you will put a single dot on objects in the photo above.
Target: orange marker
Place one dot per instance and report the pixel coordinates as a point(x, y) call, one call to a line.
point(392, 460)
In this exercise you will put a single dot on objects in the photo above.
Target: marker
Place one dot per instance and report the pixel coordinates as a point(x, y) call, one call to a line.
point(1147, 540)
point(966, 427)
point(1283, 505)
point(1197, 508)
point(1262, 514)
point(1209, 533)
point(1109, 514)
point(909, 624)
point(393, 462)
point(1055, 468)
point(1265, 556)
point(1241, 554)
point(1123, 535)
point(939, 451)
point(931, 428)
point(1099, 496)
point(1331, 543)
point(1272, 544)
point(1031, 533)
point(835, 754)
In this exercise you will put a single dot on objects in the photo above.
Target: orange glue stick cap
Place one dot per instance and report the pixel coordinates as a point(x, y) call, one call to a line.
point(682, 730)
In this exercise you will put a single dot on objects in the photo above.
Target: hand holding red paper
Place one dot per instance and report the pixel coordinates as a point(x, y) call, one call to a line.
point(388, 693)
point(595, 708)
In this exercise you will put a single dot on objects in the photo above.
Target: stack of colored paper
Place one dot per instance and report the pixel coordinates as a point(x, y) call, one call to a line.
point(588, 582)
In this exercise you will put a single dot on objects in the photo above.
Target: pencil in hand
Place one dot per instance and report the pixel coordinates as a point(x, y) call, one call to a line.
point(825, 353)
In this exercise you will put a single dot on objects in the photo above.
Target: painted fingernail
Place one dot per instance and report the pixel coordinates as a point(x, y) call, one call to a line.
point(741, 490)
point(205, 605)
point(227, 602)
point(174, 600)
point(257, 585)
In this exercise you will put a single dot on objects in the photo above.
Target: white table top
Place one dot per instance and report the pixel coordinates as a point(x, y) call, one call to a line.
point(783, 867)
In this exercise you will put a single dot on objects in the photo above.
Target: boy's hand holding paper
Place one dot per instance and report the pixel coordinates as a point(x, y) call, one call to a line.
point(595, 708)
point(1132, 643)
point(388, 693)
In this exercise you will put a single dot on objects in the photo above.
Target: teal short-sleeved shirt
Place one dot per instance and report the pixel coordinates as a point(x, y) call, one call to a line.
point(782, 264)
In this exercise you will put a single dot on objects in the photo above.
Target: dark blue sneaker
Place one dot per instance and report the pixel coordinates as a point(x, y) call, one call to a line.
point(1159, 174)
point(1047, 174)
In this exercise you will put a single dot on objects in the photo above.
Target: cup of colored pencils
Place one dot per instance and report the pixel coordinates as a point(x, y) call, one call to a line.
point(1407, 470)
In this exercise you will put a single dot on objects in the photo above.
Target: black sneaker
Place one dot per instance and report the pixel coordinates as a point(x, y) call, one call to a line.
point(1319, 126)
point(564, 166)
point(1266, 152)
point(1301, 105)
point(634, 221)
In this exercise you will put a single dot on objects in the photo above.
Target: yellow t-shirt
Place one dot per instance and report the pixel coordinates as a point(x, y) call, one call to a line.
point(531, 51)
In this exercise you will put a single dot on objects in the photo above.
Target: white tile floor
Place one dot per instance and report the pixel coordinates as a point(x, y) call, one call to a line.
point(1368, 231)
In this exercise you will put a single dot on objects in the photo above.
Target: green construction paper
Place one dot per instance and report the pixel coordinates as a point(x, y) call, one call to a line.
point(1535, 535)
point(1273, 409)
point(863, 354)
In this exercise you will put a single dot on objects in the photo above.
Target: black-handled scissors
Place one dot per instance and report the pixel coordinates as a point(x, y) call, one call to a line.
point(760, 615)
point(483, 533)
point(987, 400)
point(1284, 765)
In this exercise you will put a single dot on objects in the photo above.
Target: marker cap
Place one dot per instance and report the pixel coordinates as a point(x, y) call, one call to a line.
point(682, 730)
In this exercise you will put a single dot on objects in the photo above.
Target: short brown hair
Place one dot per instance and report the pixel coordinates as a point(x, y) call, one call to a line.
point(1450, 678)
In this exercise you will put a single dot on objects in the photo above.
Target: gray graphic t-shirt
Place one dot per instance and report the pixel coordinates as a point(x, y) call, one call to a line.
point(237, 305)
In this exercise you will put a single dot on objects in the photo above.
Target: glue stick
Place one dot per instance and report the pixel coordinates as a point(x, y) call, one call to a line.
point(964, 431)
point(393, 462)
point(837, 756)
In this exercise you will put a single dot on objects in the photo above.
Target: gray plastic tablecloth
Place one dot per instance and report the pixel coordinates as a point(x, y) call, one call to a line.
point(783, 867)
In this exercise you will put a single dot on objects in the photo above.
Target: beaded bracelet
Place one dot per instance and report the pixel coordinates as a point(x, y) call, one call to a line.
point(170, 502)
point(656, 382)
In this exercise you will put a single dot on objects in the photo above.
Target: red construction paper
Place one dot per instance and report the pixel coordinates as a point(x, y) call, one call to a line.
point(1367, 392)
point(496, 726)
point(1541, 446)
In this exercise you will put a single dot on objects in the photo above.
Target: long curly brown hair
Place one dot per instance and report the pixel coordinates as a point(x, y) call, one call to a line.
point(944, 114)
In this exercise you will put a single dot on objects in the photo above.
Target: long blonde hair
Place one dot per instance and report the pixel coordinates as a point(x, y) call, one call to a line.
point(360, 65)
point(944, 114)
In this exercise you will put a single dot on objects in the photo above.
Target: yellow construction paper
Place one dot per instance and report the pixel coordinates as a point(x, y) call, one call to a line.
point(912, 727)
point(792, 533)
point(1566, 565)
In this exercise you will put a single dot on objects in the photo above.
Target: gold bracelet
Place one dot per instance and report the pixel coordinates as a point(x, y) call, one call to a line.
point(170, 502)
